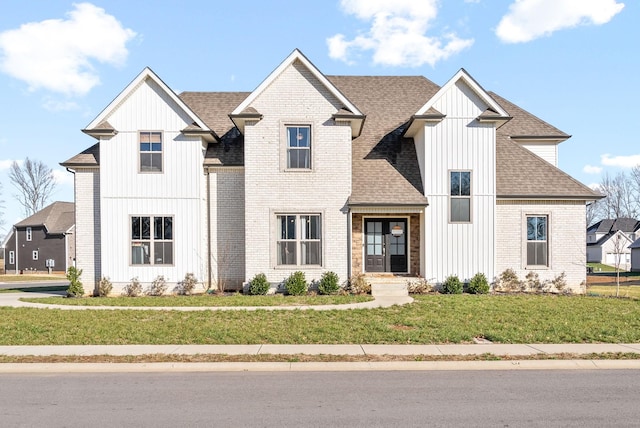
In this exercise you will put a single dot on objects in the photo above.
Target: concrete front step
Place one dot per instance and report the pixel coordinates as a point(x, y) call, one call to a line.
point(383, 287)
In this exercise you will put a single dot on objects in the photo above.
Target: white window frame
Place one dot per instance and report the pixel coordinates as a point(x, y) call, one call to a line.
point(285, 128)
point(29, 234)
point(150, 242)
point(546, 241)
point(458, 197)
point(151, 152)
point(12, 257)
point(299, 239)
point(35, 254)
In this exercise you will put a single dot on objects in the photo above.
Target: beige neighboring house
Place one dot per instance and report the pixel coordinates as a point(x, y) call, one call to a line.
point(391, 175)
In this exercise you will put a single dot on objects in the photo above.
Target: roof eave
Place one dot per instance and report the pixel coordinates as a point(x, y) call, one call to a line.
point(97, 133)
point(240, 119)
point(355, 120)
point(417, 121)
point(552, 197)
point(208, 136)
point(543, 138)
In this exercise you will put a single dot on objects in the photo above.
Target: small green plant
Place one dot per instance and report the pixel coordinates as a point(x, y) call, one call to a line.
point(104, 287)
point(158, 287)
point(296, 284)
point(75, 285)
point(329, 283)
point(452, 285)
point(187, 285)
point(478, 284)
point(358, 284)
point(259, 286)
point(133, 289)
point(509, 282)
point(419, 286)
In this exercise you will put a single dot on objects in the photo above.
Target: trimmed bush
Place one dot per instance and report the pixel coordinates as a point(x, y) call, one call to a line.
point(259, 285)
point(133, 289)
point(478, 284)
point(509, 282)
point(419, 286)
point(75, 285)
point(157, 287)
point(329, 283)
point(104, 287)
point(187, 285)
point(452, 285)
point(358, 284)
point(296, 284)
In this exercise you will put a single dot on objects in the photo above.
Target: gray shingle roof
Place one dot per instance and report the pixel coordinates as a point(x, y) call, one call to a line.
point(524, 123)
point(89, 157)
point(57, 218)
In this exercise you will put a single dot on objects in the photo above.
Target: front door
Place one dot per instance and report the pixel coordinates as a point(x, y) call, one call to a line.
point(385, 245)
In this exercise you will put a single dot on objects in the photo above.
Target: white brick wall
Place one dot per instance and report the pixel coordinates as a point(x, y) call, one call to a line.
point(296, 97)
point(87, 232)
point(567, 251)
point(226, 193)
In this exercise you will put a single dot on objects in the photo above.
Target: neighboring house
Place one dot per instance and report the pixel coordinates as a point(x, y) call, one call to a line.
point(42, 241)
point(635, 256)
point(352, 174)
point(608, 241)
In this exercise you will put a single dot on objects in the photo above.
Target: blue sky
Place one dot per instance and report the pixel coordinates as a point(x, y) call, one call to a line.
point(573, 63)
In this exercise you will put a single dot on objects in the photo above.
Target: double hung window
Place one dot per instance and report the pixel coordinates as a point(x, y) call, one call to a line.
point(298, 147)
point(537, 241)
point(299, 240)
point(460, 197)
point(29, 234)
point(151, 240)
point(150, 151)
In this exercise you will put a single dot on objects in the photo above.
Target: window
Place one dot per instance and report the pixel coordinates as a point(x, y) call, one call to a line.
point(29, 234)
point(298, 147)
point(151, 240)
point(460, 199)
point(12, 258)
point(298, 241)
point(537, 244)
point(34, 254)
point(150, 152)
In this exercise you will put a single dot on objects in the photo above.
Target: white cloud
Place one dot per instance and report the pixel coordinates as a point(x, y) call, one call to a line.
point(56, 105)
point(620, 161)
point(62, 177)
point(59, 55)
point(594, 186)
point(530, 19)
point(397, 35)
point(590, 169)
point(6, 164)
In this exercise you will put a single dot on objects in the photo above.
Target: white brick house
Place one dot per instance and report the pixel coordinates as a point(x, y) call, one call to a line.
point(315, 173)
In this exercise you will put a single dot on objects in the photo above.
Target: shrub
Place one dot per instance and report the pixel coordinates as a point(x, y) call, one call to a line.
point(329, 283)
point(452, 285)
point(75, 285)
point(133, 289)
point(358, 284)
point(259, 285)
point(296, 284)
point(560, 283)
point(158, 287)
point(419, 286)
point(478, 284)
point(508, 282)
point(104, 287)
point(187, 285)
point(532, 282)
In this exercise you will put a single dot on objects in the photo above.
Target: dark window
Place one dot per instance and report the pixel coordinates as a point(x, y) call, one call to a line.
point(150, 152)
point(148, 248)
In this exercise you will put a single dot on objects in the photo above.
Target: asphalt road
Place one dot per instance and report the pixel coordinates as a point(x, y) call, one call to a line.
point(578, 398)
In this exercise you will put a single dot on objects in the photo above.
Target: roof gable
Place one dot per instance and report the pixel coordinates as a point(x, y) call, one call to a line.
point(58, 217)
point(97, 126)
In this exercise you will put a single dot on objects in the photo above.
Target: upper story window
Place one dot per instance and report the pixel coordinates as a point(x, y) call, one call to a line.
point(29, 234)
point(298, 147)
point(537, 242)
point(12, 258)
point(151, 240)
point(460, 197)
point(150, 151)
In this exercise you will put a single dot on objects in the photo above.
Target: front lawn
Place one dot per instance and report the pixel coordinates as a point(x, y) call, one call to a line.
point(203, 300)
point(431, 319)
point(630, 291)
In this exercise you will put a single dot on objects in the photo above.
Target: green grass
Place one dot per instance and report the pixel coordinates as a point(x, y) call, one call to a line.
point(431, 319)
point(206, 300)
point(630, 291)
point(599, 267)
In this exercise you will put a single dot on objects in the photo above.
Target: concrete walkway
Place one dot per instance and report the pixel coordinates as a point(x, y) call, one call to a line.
point(13, 300)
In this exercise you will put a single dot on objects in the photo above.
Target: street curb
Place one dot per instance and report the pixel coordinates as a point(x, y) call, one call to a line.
point(49, 368)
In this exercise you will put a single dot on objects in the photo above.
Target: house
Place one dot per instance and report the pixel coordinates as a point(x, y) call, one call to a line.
point(635, 256)
point(351, 174)
point(608, 241)
point(43, 242)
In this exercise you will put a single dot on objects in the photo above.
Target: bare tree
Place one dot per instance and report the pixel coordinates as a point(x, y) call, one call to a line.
point(35, 183)
point(2, 208)
point(621, 196)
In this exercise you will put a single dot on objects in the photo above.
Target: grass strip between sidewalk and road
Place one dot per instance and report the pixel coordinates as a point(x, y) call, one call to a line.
point(431, 319)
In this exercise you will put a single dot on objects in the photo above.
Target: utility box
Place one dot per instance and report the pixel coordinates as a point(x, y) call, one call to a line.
point(50, 264)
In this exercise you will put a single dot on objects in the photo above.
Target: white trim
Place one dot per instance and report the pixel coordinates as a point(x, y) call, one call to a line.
point(296, 55)
point(387, 210)
point(475, 86)
point(147, 73)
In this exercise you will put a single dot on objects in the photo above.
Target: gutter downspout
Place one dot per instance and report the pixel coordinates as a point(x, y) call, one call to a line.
point(75, 222)
point(15, 233)
point(349, 243)
point(209, 265)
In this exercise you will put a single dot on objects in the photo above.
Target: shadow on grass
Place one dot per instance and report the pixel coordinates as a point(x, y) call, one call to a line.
point(55, 289)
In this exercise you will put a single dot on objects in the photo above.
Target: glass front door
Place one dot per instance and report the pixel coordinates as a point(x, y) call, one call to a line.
point(385, 245)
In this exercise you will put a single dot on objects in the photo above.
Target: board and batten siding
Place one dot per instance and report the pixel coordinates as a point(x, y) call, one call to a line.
point(226, 223)
point(296, 97)
point(458, 143)
point(87, 228)
point(546, 151)
point(178, 191)
point(567, 252)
